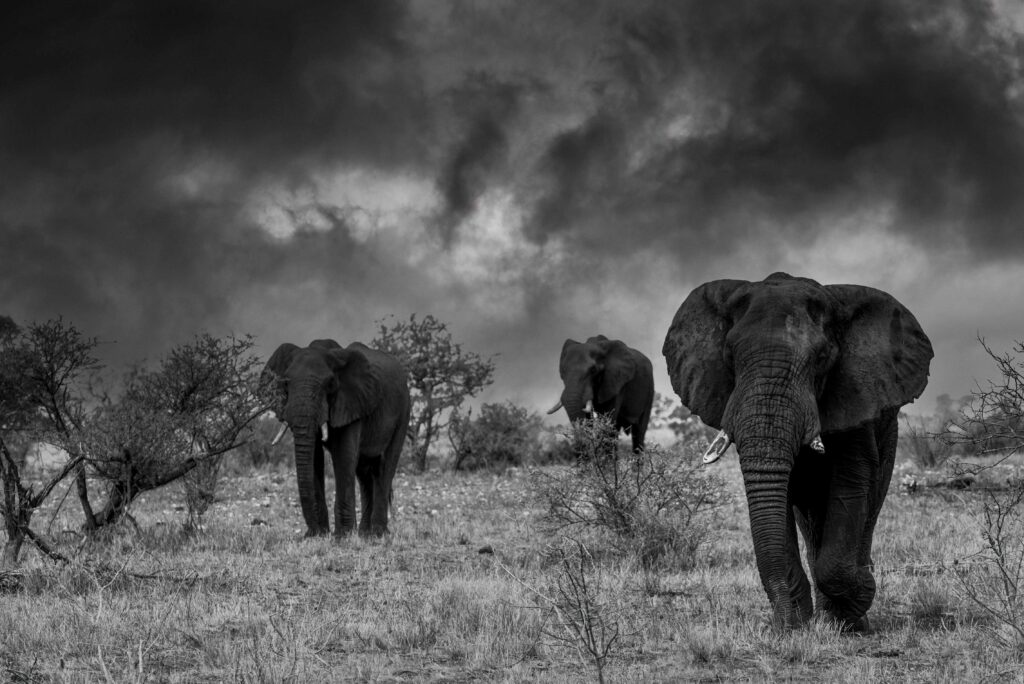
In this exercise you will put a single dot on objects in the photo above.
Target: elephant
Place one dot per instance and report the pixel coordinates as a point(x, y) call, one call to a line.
point(807, 381)
point(353, 401)
point(607, 377)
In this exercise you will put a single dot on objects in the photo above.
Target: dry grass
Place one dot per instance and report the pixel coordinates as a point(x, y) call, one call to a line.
point(254, 603)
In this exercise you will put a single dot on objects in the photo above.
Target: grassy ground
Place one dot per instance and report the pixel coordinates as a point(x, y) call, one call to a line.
point(460, 591)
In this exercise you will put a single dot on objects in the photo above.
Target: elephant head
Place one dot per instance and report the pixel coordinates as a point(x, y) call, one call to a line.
point(312, 388)
point(777, 364)
point(594, 373)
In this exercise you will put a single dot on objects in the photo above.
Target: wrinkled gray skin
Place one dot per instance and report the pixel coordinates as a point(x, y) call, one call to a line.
point(617, 378)
point(775, 364)
point(363, 396)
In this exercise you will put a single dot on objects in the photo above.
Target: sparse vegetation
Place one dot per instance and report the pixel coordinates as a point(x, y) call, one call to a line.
point(652, 507)
point(195, 406)
point(254, 602)
point(499, 437)
point(990, 428)
point(613, 566)
point(442, 376)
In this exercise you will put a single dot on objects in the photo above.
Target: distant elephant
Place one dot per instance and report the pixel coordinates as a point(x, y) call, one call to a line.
point(355, 402)
point(807, 381)
point(607, 377)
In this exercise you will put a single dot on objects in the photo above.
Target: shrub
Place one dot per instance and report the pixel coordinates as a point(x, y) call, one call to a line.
point(441, 376)
point(651, 506)
point(920, 440)
point(501, 436)
point(992, 424)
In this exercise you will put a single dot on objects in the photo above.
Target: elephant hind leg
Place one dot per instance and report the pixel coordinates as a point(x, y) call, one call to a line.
point(364, 474)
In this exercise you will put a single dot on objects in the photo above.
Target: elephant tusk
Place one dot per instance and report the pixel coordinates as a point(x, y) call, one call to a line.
point(323, 432)
point(279, 435)
point(555, 407)
point(818, 445)
point(589, 408)
point(717, 447)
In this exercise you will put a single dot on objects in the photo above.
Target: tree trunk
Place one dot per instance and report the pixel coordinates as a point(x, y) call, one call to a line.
point(82, 486)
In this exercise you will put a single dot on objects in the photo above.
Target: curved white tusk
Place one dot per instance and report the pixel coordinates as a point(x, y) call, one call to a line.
point(818, 445)
point(589, 408)
point(323, 432)
point(717, 447)
point(555, 407)
point(279, 435)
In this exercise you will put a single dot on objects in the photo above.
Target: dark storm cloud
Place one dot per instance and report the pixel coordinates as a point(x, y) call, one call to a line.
point(483, 106)
point(527, 171)
point(798, 106)
point(133, 134)
point(262, 80)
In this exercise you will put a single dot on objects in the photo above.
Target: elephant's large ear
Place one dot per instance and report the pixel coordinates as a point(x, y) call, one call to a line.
point(273, 383)
point(359, 386)
point(693, 350)
point(566, 346)
point(281, 359)
point(619, 368)
point(883, 358)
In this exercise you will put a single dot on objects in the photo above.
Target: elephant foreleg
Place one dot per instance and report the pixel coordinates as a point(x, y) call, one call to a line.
point(322, 517)
point(886, 437)
point(799, 586)
point(840, 572)
point(345, 455)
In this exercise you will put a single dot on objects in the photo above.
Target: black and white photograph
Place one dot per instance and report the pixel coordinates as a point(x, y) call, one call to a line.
point(512, 341)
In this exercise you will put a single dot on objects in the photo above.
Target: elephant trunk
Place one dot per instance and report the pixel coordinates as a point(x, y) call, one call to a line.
point(768, 426)
point(306, 436)
point(578, 399)
point(766, 480)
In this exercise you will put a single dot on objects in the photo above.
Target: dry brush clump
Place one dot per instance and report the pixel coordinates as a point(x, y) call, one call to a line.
point(987, 432)
point(499, 437)
point(653, 506)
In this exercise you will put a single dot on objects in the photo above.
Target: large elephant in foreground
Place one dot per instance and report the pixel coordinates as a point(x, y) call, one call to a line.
point(807, 381)
point(607, 377)
point(355, 402)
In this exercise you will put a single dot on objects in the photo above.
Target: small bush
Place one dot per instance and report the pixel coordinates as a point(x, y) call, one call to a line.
point(650, 506)
point(501, 436)
point(921, 441)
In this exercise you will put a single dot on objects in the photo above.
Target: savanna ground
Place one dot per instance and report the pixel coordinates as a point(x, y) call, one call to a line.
point(461, 591)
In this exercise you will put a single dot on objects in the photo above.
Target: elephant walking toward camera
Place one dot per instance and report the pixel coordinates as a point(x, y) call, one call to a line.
point(353, 401)
point(807, 381)
point(607, 377)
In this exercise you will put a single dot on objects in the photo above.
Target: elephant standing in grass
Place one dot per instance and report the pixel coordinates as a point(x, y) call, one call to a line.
point(355, 403)
point(607, 377)
point(807, 381)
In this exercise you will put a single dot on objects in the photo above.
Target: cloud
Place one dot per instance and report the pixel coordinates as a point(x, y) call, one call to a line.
point(528, 172)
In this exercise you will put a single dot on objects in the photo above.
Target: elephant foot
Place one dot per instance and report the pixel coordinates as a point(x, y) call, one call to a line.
point(860, 625)
point(316, 532)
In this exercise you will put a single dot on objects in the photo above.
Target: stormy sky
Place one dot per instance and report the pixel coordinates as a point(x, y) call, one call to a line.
point(526, 171)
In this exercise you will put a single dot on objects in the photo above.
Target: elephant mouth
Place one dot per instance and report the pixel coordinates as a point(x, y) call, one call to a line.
point(722, 441)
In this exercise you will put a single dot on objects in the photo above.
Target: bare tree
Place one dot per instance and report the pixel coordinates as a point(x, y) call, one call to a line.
point(441, 375)
point(197, 404)
point(991, 422)
point(991, 426)
point(42, 373)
